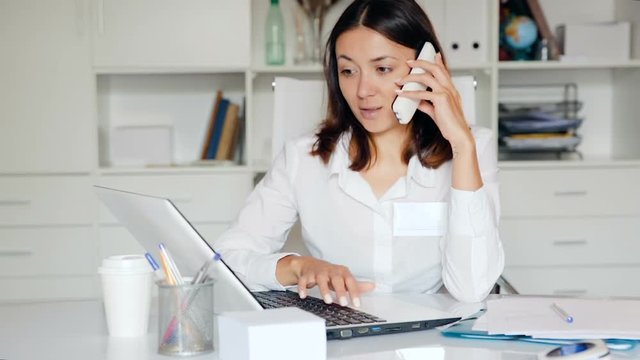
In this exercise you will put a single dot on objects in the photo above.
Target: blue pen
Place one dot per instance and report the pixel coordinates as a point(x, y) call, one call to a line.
point(563, 314)
point(156, 268)
point(202, 273)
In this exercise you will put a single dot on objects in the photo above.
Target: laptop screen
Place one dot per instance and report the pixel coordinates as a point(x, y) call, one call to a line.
point(155, 220)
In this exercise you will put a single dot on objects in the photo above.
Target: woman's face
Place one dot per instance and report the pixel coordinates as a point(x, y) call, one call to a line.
point(368, 66)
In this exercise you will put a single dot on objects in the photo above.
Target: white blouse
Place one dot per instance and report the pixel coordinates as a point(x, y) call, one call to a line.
point(420, 234)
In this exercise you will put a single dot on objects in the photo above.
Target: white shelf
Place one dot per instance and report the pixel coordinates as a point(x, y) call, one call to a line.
point(178, 169)
point(317, 68)
point(287, 69)
point(587, 162)
point(167, 70)
point(552, 65)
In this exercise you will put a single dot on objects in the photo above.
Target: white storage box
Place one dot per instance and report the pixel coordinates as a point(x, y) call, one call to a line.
point(283, 334)
point(595, 41)
point(140, 145)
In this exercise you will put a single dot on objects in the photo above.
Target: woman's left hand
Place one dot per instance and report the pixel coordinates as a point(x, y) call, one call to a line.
point(442, 102)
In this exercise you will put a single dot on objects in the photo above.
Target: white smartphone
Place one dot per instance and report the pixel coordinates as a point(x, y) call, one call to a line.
point(403, 107)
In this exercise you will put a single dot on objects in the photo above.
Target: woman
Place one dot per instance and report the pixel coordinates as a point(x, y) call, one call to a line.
point(402, 208)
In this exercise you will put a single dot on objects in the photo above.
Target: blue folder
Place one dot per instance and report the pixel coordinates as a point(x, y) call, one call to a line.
point(463, 329)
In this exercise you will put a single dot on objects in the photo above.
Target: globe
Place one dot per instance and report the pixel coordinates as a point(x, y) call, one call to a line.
point(520, 32)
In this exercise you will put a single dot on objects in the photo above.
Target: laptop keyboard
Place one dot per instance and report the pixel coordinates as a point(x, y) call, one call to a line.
point(333, 314)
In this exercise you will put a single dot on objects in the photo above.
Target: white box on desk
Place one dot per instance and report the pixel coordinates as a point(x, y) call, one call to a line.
point(139, 145)
point(595, 41)
point(283, 334)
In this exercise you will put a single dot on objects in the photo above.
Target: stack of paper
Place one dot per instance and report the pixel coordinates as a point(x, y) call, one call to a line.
point(536, 317)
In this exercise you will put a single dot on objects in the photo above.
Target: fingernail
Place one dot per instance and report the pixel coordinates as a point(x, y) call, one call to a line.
point(410, 61)
point(328, 299)
point(302, 294)
point(343, 301)
point(356, 302)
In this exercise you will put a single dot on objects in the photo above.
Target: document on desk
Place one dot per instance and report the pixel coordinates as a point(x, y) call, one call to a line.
point(562, 318)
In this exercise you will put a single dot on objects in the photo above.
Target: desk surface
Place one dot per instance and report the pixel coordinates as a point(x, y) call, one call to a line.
point(77, 330)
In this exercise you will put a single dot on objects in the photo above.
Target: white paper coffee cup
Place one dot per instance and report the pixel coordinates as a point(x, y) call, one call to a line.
point(126, 287)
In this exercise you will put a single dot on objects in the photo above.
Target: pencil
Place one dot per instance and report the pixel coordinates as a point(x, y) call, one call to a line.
point(169, 275)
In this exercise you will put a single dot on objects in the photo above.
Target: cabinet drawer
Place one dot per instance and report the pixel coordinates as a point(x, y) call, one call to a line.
point(567, 192)
point(116, 240)
point(585, 241)
point(135, 33)
point(201, 198)
point(47, 251)
point(49, 288)
point(45, 200)
point(592, 281)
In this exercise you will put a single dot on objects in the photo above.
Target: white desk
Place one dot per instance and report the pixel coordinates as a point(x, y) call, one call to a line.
point(77, 330)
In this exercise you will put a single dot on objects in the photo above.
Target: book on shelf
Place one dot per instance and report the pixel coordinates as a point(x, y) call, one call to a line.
point(223, 139)
point(225, 146)
point(212, 120)
point(238, 138)
point(218, 125)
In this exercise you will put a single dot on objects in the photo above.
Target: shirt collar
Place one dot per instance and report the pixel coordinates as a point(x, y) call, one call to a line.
point(340, 162)
point(425, 177)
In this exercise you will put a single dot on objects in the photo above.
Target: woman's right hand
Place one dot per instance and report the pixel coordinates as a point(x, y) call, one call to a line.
point(308, 272)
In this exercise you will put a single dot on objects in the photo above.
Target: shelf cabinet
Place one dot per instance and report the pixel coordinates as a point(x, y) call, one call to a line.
point(572, 231)
point(76, 70)
point(179, 103)
point(569, 226)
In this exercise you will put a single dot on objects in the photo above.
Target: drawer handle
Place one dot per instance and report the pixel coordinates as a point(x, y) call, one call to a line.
point(571, 242)
point(16, 253)
point(17, 202)
point(570, 292)
point(571, 193)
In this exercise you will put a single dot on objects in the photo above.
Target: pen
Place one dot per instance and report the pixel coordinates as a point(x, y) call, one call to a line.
point(563, 314)
point(170, 279)
point(202, 273)
point(199, 278)
point(154, 265)
point(172, 265)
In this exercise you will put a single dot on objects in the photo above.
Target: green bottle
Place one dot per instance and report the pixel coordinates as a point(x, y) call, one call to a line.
point(274, 33)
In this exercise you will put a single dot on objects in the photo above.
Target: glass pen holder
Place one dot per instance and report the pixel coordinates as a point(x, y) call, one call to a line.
point(185, 318)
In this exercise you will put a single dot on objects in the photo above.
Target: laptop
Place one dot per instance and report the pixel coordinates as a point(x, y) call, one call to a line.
point(154, 220)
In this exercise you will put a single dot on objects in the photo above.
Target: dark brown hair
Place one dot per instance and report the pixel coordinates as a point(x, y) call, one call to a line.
point(401, 21)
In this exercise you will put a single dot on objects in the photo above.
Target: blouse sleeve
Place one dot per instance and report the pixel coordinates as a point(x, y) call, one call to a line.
point(252, 243)
point(473, 257)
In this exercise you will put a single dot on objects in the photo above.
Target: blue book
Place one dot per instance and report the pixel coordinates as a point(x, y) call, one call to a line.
point(217, 129)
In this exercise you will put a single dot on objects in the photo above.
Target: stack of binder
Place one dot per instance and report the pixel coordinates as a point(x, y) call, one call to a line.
point(539, 128)
point(537, 319)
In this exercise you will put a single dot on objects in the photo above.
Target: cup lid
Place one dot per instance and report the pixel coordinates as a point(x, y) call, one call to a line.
point(125, 264)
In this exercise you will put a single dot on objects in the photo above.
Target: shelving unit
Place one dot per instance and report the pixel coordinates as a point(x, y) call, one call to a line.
point(125, 65)
point(560, 218)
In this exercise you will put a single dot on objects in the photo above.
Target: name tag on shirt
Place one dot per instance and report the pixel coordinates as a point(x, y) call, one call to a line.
point(420, 219)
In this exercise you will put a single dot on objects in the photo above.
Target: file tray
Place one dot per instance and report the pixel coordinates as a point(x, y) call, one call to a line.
point(541, 118)
point(537, 122)
point(549, 144)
